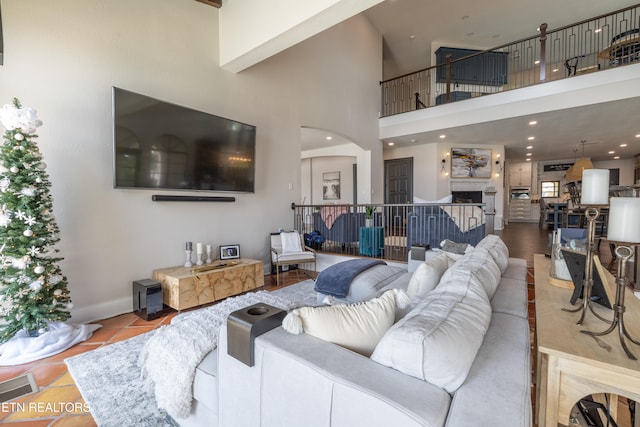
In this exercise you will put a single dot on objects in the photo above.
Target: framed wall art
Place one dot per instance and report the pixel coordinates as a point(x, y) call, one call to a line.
point(470, 163)
point(230, 252)
point(331, 186)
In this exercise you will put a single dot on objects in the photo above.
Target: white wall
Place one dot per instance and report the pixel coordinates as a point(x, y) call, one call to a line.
point(62, 57)
point(625, 166)
point(430, 181)
point(321, 165)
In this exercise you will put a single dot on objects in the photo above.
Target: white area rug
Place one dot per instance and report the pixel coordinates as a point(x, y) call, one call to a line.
point(110, 382)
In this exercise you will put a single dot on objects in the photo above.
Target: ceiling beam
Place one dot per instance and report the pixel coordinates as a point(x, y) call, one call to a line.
point(215, 3)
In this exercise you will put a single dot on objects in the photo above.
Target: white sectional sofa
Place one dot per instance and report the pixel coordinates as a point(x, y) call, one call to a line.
point(459, 357)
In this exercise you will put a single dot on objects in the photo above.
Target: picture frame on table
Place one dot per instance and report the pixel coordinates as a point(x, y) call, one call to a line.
point(471, 163)
point(230, 252)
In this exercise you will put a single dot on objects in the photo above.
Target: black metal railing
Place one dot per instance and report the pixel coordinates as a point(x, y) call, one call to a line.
point(588, 46)
point(387, 231)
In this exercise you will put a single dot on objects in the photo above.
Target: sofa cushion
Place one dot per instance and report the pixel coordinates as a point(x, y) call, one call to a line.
point(427, 276)
point(481, 262)
point(503, 360)
point(464, 281)
point(205, 381)
point(497, 249)
point(438, 340)
point(517, 269)
point(511, 298)
point(357, 327)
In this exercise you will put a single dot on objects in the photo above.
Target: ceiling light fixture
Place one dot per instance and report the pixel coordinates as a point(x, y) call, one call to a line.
point(329, 138)
point(528, 159)
point(611, 152)
point(443, 136)
point(623, 145)
point(390, 143)
point(574, 173)
point(531, 138)
point(529, 147)
point(529, 154)
point(616, 157)
point(533, 122)
point(536, 61)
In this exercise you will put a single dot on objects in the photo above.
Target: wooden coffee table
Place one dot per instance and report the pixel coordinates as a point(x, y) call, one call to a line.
point(187, 287)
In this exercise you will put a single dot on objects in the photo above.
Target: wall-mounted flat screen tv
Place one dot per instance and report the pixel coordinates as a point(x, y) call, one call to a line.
point(163, 145)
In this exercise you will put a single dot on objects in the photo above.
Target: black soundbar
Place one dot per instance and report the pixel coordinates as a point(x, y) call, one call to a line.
point(165, 198)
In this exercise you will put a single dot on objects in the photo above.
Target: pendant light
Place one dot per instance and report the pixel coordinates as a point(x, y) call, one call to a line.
point(574, 173)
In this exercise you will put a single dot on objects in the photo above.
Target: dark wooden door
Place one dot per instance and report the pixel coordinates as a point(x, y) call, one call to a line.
point(398, 181)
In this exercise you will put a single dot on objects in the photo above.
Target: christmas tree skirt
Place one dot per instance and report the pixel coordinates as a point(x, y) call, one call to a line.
point(60, 336)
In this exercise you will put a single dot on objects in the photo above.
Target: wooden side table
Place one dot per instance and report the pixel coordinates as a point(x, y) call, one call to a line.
point(572, 365)
point(186, 287)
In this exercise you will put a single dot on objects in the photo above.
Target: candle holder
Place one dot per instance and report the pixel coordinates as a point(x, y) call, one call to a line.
point(199, 259)
point(188, 255)
point(624, 253)
point(209, 260)
point(591, 213)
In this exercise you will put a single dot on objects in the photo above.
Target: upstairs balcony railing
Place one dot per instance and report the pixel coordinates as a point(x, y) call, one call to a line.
point(592, 45)
point(388, 231)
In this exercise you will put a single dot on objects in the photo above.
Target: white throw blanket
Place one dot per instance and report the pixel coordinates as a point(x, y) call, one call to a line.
point(170, 357)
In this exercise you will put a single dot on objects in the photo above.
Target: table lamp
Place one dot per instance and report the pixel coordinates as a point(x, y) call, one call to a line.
point(623, 229)
point(595, 193)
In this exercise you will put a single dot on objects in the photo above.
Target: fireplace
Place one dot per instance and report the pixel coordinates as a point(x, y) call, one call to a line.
point(466, 196)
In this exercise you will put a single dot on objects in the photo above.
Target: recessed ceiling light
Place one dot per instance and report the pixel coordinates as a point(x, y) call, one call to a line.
point(536, 62)
point(623, 145)
point(529, 154)
point(616, 157)
point(611, 152)
point(531, 138)
point(413, 140)
point(529, 147)
point(443, 136)
point(412, 36)
point(390, 143)
point(638, 135)
point(533, 122)
point(329, 138)
point(528, 159)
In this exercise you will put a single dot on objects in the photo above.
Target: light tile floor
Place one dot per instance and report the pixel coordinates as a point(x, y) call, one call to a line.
point(56, 384)
point(58, 402)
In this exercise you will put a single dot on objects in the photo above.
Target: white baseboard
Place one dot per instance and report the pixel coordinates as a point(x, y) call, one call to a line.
point(101, 311)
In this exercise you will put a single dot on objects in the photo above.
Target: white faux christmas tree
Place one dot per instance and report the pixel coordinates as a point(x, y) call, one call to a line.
point(34, 296)
point(33, 291)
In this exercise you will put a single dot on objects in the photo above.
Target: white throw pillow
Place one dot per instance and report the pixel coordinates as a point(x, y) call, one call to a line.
point(498, 250)
point(438, 340)
point(427, 276)
point(358, 327)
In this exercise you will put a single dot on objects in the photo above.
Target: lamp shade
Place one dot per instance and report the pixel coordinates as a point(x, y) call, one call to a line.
point(595, 187)
point(624, 220)
point(574, 173)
